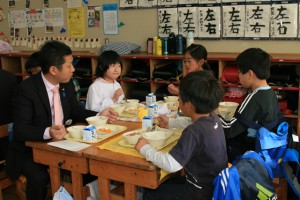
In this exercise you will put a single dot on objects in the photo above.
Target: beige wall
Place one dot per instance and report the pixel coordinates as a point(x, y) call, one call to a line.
point(141, 24)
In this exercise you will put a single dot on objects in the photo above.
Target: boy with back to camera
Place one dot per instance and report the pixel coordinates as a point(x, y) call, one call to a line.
point(201, 150)
point(259, 106)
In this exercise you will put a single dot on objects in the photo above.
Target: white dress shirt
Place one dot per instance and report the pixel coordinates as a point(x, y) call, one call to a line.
point(49, 86)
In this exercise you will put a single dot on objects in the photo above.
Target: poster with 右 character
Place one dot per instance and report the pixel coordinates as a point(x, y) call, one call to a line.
point(187, 20)
point(209, 22)
point(257, 21)
point(167, 21)
point(284, 20)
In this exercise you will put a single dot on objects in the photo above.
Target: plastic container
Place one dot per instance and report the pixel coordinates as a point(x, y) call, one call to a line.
point(150, 45)
point(179, 45)
point(171, 43)
point(165, 45)
point(154, 45)
point(158, 47)
point(189, 38)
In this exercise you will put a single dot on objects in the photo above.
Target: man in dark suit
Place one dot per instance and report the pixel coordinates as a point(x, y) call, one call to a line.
point(33, 115)
point(8, 83)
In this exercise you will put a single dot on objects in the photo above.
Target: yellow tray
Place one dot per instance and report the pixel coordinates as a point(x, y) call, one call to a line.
point(174, 137)
point(100, 137)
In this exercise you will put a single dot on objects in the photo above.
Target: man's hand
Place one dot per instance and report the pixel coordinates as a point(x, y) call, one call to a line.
point(57, 132)
point(117, 94)
point(163, 121)
point(173, 89)
point(108, 112)
point(141, 142)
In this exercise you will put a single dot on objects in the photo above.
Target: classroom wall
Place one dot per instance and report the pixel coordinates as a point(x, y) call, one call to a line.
point(139, 25)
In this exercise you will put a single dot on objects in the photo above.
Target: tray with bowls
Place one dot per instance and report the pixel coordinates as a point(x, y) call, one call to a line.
point(158, 139)
point(103, 132)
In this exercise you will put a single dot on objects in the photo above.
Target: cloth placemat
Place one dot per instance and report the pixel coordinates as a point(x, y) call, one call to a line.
point(113, 145)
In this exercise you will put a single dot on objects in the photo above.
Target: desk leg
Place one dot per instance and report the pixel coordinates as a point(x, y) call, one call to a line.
point(77, 186)
point(130, 191)
point(104, 188)
point(55, 179)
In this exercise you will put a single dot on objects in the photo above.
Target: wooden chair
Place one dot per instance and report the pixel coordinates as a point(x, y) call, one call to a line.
point(5, 182)
point(281, 188)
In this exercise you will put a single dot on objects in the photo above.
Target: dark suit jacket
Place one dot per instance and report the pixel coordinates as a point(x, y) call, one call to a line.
point(32, 115)
point(8, 82)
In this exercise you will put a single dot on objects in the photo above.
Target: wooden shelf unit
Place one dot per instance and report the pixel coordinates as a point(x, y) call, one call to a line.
point(15, 62)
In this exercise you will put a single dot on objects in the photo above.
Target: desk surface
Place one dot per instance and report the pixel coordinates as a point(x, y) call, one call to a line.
point(108, 156)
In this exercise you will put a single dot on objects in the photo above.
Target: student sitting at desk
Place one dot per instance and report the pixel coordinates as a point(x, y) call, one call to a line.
point(42, 105)
point(105, 91)
point(201, 150)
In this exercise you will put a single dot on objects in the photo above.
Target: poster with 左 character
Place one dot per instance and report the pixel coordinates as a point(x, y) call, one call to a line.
point(209, 22)
point(167, 21)
point(187, 20)
point(257, 21)
point(128, 4)
point(233, 21)
point(284, 20)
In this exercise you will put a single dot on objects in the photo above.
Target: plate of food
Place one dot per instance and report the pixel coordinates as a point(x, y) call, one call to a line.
point(106, 129)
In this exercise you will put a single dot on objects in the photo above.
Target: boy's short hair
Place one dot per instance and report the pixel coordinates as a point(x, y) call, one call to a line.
point(32, 62)
point(105, 59)
point(202, 89)
point(53, 54)
point(257, 60)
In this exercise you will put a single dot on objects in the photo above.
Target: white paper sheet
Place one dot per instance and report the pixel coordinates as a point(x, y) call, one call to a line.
point(69, 145)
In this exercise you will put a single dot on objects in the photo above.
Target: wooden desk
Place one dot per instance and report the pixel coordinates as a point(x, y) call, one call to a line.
point(133, 171)
point(72, 161)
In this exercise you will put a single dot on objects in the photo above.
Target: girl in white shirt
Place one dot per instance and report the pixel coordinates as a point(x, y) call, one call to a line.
point(105, 91)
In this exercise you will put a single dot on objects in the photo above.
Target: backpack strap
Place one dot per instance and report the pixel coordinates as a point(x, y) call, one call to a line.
point(251, 124)
point(290, 167)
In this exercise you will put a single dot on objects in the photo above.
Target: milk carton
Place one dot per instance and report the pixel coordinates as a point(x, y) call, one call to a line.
point(89, 133)
point(147, 123)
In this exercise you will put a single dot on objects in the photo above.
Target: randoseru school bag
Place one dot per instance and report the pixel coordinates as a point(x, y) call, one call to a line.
point(272, 147)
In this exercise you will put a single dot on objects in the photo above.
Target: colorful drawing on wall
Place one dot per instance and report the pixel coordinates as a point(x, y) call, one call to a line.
point(93, 16)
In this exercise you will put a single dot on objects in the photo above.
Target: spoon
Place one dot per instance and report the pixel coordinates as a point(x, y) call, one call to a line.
point(68, 122)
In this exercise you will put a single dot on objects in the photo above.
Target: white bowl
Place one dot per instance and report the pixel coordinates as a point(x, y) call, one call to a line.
point(118, 108)
point(229, 107)
point(97, 120)
point(132, 137)
point(156, 139)
point(76, 131)
point(131, 102)
point(171, 98)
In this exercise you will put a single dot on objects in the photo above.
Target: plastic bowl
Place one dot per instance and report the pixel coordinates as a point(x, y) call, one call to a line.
point(76, 131)
point(156, 139)
point(171, 98)
point(132, 137)
point(118, 108)
point(229, 107)
point(97, 120)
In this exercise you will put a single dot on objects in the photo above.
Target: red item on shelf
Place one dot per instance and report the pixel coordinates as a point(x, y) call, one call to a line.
point(282, 105)
point(230, 74)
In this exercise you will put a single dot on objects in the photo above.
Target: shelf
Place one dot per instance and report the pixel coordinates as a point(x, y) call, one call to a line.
point(273, 87)
point(291, 116)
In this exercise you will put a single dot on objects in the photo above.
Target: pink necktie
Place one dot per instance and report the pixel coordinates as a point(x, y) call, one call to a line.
point(57, 106)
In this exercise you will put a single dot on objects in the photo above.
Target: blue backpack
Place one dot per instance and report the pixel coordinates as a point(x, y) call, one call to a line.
point(272, 147)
